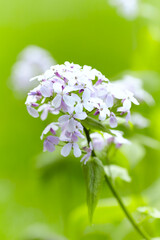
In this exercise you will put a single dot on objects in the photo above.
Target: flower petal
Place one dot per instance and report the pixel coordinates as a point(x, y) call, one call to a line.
point(102, 115)
point(53, 139)
point(33, 112)
point(86, 95)
point(69, 100)
point(113, 121)
point(71, 125)
point(45, 91)
point(66, 149)
point(57, 101)
point(78, 108)
point(48, 146)
point(80, 116)
point(44, 114)
point(109, 100)
point(76, 150)
point(63, 119)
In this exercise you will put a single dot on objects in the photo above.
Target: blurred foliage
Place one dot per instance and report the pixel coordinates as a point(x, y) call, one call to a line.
point(38, 190)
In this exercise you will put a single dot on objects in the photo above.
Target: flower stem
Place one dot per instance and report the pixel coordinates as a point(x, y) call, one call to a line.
point(116, 195)
point(128, 215)
point(89, 140)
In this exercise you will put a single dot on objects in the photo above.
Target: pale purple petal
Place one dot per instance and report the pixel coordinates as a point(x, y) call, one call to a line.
point(76, 97)
point(89, 106)
point(33, 112)
point(63, 119)
point(74, 138)
point(49, 143)
point(86, 95)
point(46, 91)
point(57, 87)
point(127, 104)
point(113, 121)
point(128, 116)
point(66, 149)
point(57, 101)
point(47, 129)
point(44, 114)
point(48, 146)
point(53, 139)
point(109, 100)
point(71, 125)
point(80, 116)
point(64, 106)
point(78, 108)
point(69, 100)
point(83, 158)
point(76, 150)
point(102, 115)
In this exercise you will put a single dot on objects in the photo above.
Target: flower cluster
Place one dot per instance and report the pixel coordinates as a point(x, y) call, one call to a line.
point(126, 8)
point(75, 93)
point(135, 86)
point(100, 140)
point(31, 61)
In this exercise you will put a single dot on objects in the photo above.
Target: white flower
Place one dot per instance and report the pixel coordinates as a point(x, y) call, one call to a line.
point(32, 111)
point(118, 139)
point(51, 127)
point(84, 102)
point(126, 8)
point(134, 85)
point(139, 121)
point(76, 93)
point(63, 95)
point(46, 108)
point(67, 148)
point(31, 61)
point(104, 139)
point(88, 150)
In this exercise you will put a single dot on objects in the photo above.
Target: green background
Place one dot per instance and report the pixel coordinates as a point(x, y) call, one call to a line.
point(42, 195)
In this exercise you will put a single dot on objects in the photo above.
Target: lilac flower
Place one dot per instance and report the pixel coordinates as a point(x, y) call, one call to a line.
point(104, 139)
point(98, 141)
point(69, 123)
point(113, 120)
point(74, 93)
point(88, 150)
point(84, 102)
point(45, 109)
point(139, 121)
point(32, 111)
point(117, 139)
point(67, 148)
point(50, 142)
point(52, 127)
point(31, 61)
point(135, 86)
point(126, 8)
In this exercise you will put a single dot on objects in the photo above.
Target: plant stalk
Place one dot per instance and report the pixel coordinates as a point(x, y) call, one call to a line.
point(128, 215)
point(116, 195)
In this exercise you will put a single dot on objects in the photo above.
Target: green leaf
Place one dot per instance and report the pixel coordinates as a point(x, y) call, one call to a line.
point(94, 174)
point(92, 124)
point(115, 171)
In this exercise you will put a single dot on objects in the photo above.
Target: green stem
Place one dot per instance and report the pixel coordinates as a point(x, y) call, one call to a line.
point(89, 140)
point(113, 190)
point(128, 215)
